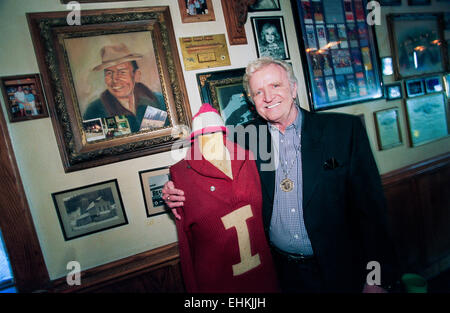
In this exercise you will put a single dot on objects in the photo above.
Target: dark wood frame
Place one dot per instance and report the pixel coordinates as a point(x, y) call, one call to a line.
point(46, 30)
point(377, 127)
point(17, 79)
point(186, 18)
point(149, 206)
point(235, 14)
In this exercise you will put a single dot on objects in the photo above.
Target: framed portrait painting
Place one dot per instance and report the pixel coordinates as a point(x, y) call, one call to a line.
point(24, 98)
point(339, 52)
point(152, 183)
point(416, 44)
point(225, 92)
point(89, 209)
point(270, 37)
point(114, 83)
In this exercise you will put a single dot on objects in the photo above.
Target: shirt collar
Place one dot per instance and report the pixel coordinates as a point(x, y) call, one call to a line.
point(297, 123)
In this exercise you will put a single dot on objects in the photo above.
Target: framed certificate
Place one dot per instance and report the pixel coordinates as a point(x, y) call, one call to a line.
point(427, 118)
point(388, 128)
point(338, 51)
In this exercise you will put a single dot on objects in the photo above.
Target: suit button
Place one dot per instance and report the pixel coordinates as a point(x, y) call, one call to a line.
point(212, 188)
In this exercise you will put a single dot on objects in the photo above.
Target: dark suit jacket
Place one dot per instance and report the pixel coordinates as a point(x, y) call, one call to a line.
point(343, 204)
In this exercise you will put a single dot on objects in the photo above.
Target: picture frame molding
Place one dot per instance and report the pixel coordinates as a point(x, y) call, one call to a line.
point(186, 18)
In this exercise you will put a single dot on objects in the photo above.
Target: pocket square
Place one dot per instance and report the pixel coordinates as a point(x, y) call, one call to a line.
point(331, 164)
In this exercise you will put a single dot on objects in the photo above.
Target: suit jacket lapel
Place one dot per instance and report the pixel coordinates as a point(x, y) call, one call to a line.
point(266, 168)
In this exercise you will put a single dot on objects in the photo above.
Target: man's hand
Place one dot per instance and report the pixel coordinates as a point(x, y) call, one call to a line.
point(173, 197)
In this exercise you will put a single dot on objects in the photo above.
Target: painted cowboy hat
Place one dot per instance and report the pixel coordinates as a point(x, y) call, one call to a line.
point(113, 55)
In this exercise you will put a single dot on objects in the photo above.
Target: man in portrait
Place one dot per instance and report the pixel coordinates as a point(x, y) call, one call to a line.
point(125, 94)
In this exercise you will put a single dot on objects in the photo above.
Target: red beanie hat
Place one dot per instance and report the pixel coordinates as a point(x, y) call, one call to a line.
point(207, 120)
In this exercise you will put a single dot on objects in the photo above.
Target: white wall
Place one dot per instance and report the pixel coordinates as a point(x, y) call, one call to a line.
point(41, 168)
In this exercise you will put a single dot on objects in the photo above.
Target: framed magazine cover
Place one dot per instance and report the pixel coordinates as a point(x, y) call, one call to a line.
point(152, 183)
point(339, 52)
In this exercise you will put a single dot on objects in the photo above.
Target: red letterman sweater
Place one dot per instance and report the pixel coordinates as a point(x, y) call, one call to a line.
point(222, 243)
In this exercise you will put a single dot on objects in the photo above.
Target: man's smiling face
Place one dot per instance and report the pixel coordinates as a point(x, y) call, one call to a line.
point(120, 80)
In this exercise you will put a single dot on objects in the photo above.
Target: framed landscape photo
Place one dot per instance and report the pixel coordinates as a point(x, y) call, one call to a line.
point(339, 52)
point(114, 83)
point(388, 128)
point(427, 118)
point(416, 44)
point(89, 209)
point(270, 37)
point(394, 91)
point(265, 5)
point(193, 11)
point(225, 92)
point(24, 98)
point(414, 88)
point(152, 183)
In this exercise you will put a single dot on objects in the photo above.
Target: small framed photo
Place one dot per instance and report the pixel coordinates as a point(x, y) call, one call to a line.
point(265, 5)
point(419, 2)
point(89, 209)
point(193, 11)
point(414, 88)
point(152, 182)
point(394, 91)
point(270, 37)
point(388, 128)
point(433, 84)
point(24, 98)
point(386, 66)
point(427, 118)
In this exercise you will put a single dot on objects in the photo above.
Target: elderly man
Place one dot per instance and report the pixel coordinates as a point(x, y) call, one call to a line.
point(324, 210)
point(125, 95)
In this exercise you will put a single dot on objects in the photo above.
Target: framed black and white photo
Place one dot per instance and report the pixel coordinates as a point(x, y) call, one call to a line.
point(394, 91)
point(388, 128)
point(427, 118)
point(89, 209)
point(270, 37)
point(433, 84)
point(152, 183)
point(265, 5)
point(414, 88)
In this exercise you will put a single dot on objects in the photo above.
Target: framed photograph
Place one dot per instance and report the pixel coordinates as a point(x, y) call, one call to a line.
point(24, 98)
point(119, 64)
point(415, 41)
point(193, 11)
point(225, 92)
point(419, 2)
point(89, 209)
point(265, 5)
point(427, 118)
point(394, 91)
point(388, 128)
point(152, 183)
point(390, 2)
point(339, 52)
point(414, 88)
point(270, 37)
point(433, 84)
point(386, 66)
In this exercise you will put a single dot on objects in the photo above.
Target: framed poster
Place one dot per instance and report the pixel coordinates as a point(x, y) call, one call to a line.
point(152, 183)
point(264, 5)
point(89, 209)
point(270, 37)
point(119, 64)
point(225, 92)
point(416, 44)
point(388, 128)
point(339, 53)
point(427, 118)
point(24, 98)
point(193, 11)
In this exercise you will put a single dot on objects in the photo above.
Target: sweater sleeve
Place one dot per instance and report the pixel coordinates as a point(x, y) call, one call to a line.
point(184, 244)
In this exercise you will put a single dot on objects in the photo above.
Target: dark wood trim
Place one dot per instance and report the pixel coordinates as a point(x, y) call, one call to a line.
point(235, 15)
point(117, 271)
point(27, 261)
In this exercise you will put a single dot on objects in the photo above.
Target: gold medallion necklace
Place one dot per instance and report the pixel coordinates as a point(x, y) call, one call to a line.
point(287, 184)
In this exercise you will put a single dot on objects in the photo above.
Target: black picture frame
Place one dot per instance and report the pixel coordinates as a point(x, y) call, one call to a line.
point(89, 209)
point(225, 92)
point(414, 88)
point(152, 182)
point(339, 53)
point(270, 28)
point(265, 5)
point(394, 91)
point(433, 84)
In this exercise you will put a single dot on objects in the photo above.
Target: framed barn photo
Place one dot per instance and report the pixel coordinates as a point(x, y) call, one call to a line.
point(114, 83)
point(24, 98)
point(152, 183)
point(89, 209)
point(270, 37)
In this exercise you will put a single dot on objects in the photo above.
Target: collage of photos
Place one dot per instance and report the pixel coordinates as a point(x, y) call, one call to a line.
point(340, 52)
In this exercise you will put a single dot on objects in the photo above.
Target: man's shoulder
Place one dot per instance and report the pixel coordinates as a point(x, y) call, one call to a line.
point(94, 109)
point(331, 118)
